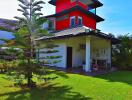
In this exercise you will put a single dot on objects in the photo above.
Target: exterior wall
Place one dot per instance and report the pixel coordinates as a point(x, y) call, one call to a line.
point(61, 52)
point(87, 21)
point(61, 5)
point(62, 24)
point(77, 53)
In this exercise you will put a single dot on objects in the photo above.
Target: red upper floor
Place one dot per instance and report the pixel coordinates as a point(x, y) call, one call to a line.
point(66, 4)
point(74, 13)
point(74, 19)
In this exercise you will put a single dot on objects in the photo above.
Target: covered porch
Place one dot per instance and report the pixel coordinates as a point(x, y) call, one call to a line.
point(89, 53)
point(82, 48)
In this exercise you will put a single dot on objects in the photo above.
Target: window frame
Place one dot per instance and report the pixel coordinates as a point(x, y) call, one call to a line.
point(79, 17)
point(72, 17)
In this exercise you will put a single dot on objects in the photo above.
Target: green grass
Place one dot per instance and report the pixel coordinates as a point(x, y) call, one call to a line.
point(114, 86)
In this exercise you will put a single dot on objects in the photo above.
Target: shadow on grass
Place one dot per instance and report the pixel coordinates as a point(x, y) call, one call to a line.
point(46, 92)
point(119, 76)
point(61, 74)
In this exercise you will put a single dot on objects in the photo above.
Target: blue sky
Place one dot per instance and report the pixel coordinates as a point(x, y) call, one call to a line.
point(117, 15)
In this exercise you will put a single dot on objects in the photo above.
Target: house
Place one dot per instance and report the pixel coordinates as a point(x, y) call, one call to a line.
point(79, 41)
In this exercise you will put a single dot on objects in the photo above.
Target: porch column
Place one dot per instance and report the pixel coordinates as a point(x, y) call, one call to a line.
point(88, 55)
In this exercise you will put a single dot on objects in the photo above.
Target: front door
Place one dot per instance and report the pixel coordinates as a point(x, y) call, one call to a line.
point(69, 57)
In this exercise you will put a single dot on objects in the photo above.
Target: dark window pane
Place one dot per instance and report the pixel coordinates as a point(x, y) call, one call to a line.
point(72, 22)
point(79, 21)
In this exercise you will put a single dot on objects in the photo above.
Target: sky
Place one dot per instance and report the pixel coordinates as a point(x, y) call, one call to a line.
point(117, 14)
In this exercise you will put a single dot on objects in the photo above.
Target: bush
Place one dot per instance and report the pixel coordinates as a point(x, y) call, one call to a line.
point(122, 53)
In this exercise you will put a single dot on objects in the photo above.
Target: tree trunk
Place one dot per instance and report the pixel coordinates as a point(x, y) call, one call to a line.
point(29, 80)
point(29, 74)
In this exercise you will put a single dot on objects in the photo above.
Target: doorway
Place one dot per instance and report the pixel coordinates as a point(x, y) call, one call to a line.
point(69, 57)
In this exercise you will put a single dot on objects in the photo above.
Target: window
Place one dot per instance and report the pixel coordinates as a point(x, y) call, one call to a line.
point(45, 25)
point(72, 21)
point(79, 21)
point(51, 24)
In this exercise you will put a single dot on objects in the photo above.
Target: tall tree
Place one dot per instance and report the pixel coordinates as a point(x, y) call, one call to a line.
point(29, 28)
point(31, 11)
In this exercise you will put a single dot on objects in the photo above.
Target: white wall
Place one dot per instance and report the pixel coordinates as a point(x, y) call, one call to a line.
point(78, 53)
point(61, 52)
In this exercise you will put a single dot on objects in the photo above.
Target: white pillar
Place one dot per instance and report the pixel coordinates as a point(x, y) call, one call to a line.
point(88, 55)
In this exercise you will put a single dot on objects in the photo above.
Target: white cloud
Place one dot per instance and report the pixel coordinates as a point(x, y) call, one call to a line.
point(8, 9)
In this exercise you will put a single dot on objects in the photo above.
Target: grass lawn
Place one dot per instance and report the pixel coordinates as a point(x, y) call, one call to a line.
point(114, 86)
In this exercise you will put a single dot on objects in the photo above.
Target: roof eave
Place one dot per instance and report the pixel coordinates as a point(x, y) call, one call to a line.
point(96, 4)
point(52, 2)
point(101, 35)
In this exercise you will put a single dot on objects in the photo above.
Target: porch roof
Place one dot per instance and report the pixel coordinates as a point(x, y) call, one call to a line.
point(79, 31)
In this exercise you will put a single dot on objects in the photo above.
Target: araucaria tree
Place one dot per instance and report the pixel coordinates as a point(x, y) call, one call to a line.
point(32, 21)
point(29, 29)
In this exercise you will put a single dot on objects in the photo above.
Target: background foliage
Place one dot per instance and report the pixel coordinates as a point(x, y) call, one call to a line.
point(122, 53)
